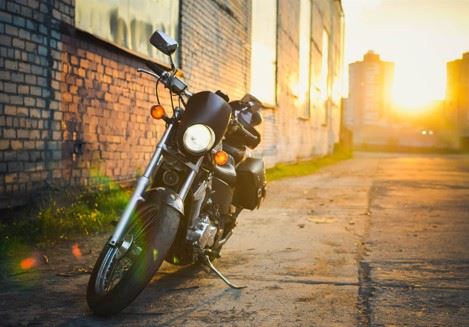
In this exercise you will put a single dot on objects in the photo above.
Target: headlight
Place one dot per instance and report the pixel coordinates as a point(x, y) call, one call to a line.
point(198, 138)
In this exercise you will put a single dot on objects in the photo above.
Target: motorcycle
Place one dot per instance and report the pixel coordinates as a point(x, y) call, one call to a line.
point(186, 204)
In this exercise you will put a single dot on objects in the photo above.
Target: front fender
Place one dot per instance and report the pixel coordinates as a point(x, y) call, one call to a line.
point(168, 197)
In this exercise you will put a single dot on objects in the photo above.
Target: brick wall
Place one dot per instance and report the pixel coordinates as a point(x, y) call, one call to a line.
point(28, 34)
point(104, 107)
point(73, 109)
point(62, 89)
point(215, 45)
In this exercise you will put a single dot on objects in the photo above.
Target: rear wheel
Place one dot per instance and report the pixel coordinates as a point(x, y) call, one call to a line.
point(122, 272)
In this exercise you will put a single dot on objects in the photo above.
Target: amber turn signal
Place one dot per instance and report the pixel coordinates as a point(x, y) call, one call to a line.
point(157, 111)
point(221, 158)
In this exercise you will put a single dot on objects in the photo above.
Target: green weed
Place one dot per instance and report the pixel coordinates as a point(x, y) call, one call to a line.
point(87, 212)
point(304, 168)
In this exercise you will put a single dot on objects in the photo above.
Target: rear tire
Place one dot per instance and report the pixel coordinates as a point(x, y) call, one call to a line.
point(152, 234)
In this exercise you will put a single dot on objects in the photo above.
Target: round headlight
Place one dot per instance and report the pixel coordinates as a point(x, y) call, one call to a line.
point(198, 138)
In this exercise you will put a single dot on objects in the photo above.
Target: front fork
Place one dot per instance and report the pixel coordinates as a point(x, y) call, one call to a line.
point(143, 182)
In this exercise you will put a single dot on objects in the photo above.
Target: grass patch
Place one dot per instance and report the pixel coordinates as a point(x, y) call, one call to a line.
point(83, 213)
point(307, 167)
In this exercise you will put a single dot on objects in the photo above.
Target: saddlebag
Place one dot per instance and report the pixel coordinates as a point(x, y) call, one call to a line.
point(250, 184)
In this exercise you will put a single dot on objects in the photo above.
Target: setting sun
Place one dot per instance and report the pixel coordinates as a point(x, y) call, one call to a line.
point(413, 91)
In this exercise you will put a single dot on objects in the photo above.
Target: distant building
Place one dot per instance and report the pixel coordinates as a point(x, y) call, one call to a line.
point(369, 106)
point(457, 98)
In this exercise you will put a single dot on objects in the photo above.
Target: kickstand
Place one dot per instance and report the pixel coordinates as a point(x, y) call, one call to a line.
point(206, 261)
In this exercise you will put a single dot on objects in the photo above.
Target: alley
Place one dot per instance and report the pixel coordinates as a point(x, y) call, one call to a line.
point(381, 239)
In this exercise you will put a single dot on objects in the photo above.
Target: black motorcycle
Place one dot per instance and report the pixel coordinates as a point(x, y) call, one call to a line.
point(185, 205)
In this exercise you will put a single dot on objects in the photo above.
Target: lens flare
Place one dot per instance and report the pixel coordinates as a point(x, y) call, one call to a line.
point(28, 263)
point(76, 251)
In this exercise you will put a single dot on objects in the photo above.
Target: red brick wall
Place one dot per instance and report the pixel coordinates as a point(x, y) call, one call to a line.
point(61, 87)
point(28, 45)
point(215, 45)
point(104, 102)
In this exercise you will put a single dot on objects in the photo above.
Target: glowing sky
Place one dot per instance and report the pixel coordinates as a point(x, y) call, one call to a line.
point(419, 36)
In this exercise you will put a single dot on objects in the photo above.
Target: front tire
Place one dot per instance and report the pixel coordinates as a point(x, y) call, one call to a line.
point(117, 278)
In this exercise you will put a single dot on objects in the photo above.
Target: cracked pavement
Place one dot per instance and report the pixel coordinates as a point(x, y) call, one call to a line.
point(381, 239)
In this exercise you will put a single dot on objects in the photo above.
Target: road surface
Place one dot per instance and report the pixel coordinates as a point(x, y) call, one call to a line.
point(381, 239)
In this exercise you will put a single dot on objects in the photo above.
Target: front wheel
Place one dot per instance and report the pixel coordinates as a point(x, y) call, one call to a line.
point(121, 273)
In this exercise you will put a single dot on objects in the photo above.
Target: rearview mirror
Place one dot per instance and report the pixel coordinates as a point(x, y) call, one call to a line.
point(163, 42)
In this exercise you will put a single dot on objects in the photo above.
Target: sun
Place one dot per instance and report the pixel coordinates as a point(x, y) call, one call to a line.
point(410, 99)
point(413, 90)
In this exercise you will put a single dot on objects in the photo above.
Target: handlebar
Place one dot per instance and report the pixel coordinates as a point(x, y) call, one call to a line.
point(251, 137)
point(170, 81)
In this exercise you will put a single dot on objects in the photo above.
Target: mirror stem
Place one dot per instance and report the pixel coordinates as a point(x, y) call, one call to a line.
point(173, 67)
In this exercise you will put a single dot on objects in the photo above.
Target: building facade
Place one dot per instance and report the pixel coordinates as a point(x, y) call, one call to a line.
point(457, 100)
point(369, 105)
point(74, 110)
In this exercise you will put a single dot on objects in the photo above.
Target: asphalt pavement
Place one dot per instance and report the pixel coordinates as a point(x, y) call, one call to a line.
point(378, 240)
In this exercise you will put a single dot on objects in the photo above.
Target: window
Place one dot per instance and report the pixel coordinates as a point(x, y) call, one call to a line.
point(129, 23)
point(304, 58)
point(325, 66)
point(264, 50)
point(325, 74)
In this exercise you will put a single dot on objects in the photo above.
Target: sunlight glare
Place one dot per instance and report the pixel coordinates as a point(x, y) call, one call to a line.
point(414, 89)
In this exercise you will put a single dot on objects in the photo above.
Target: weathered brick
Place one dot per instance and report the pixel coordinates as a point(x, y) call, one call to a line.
point(33, 135)
point(16, 145)
point(40, 103)
point(35, 90)
point(15, 167)
point(11, 178)
point(17, 77)
point(35, 113)
point(29, 145)
point(10, 110)
point(18, 43)
point(11, 30)
point(28, 101)
point(21, 111)
point(19, 21)
point(23, 133)
point(35, 156)
point(5, 17)
point(9, 133)
point(9, 87)
point(23, 89)
point(4, 144)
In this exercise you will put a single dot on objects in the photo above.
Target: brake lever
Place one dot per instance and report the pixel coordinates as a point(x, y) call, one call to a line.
point(155, 75)
point(164, 78)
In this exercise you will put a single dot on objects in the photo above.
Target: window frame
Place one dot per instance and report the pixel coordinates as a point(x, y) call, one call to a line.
point(305, 109)
point(176, 57)
point(266, 103)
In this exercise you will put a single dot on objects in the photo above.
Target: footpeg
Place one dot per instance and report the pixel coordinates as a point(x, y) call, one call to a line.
point(206, 261)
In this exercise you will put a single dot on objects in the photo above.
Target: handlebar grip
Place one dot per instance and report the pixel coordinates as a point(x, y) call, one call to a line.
point(251, 137)
point(156, 68)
